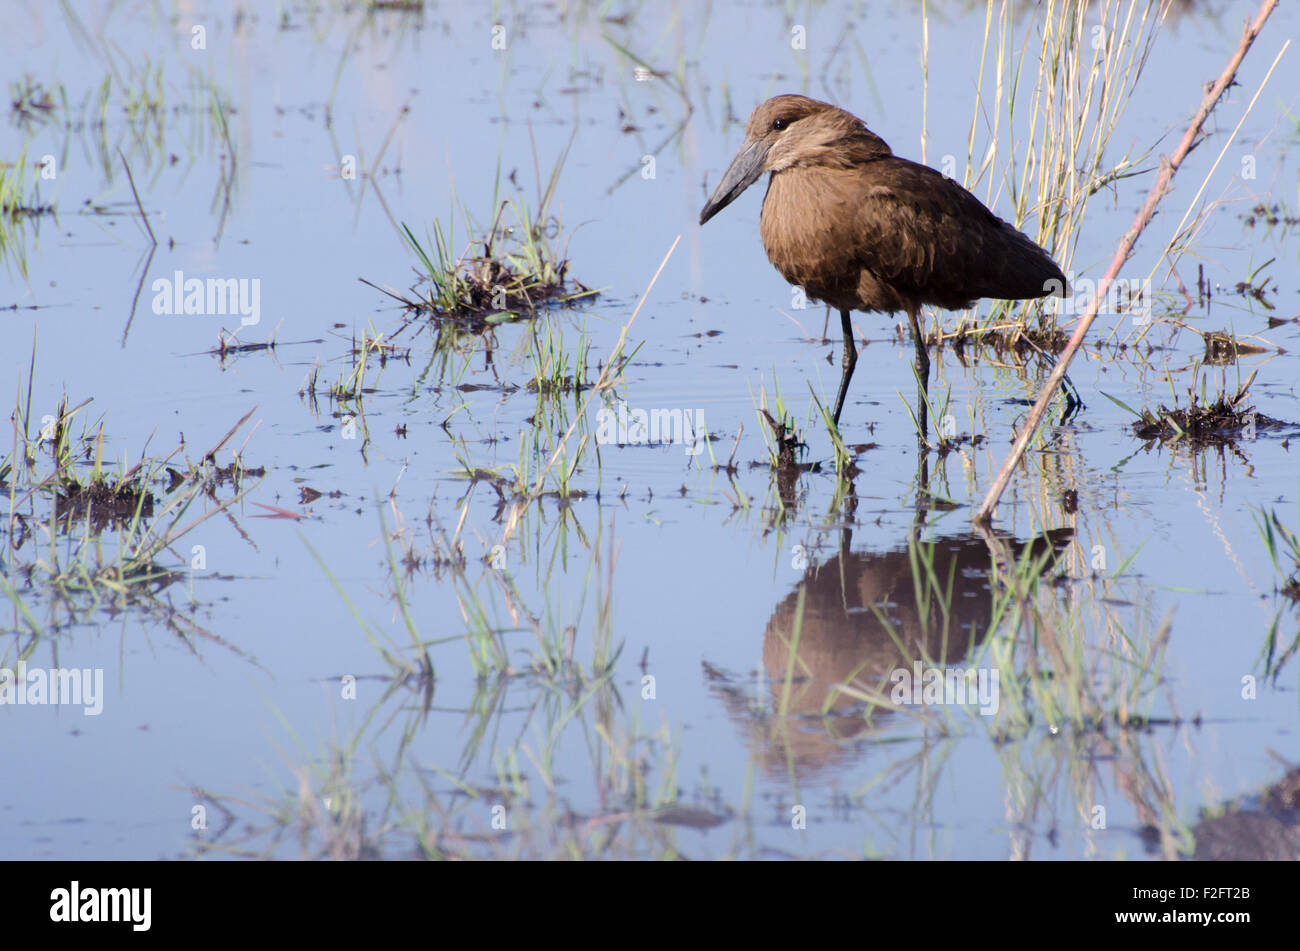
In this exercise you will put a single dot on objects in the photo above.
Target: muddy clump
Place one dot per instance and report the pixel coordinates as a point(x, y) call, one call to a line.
point(1222, 422)
point(1222, 347)
point(104, 504)
point(1263, 828)
point(1006, 342)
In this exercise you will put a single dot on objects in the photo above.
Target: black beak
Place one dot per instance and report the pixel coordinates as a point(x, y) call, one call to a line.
point(744, 170)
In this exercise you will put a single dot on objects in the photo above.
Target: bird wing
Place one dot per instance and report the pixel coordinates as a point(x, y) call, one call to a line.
point(927, 237)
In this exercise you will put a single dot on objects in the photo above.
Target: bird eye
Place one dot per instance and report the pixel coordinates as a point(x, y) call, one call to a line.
point(780, 124)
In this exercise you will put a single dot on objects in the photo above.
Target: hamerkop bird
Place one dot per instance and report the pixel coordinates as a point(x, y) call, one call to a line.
point(861, 229)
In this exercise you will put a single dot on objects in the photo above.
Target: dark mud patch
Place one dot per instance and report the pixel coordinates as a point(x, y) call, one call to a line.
point(551, 387)
point(1223, 347)
point(1222, 422)
point(508, 274)
point(948, 443)
point(1004, 341)
point(1265, 827)
point(105, 504)
point(489, 294)
point(1270, 216)
point(25, 211)
point(689, 817)
point(234, 473)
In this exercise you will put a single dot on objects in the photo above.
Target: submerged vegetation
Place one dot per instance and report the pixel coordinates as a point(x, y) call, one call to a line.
point(81, 535)
point(535, 702)
point(556, 687)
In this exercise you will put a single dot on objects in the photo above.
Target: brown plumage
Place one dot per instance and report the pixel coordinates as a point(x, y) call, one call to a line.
point(861, 229)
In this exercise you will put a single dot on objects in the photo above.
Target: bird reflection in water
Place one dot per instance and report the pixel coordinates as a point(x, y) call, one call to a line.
point(861, 620)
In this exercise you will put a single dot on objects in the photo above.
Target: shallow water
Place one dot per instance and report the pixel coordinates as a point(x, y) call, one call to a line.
point(674, 567)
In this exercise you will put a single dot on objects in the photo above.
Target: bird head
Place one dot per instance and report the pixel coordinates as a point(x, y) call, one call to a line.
point(784, 132)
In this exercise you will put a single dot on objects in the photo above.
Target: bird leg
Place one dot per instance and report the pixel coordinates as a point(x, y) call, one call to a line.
point(922, 375)
point(850, 361)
